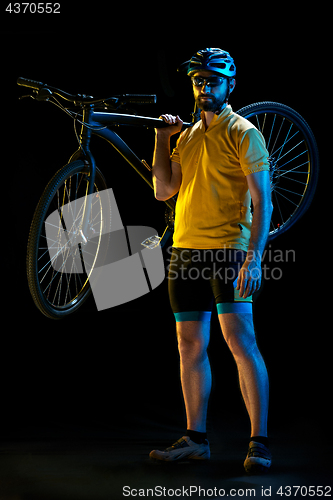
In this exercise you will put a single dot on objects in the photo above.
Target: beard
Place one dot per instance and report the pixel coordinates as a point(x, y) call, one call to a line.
point(214, 104)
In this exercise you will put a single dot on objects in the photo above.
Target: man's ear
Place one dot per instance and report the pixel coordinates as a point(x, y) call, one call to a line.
point(232, 84)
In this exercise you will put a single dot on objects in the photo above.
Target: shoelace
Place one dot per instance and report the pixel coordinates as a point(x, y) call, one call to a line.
point(181, 443)
point(258, 450)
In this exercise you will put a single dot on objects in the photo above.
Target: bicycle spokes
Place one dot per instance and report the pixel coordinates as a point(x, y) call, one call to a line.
point(290, 164)
point(66, 253)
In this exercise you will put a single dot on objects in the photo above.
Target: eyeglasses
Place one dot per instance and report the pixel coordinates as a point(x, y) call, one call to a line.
point(208, 81)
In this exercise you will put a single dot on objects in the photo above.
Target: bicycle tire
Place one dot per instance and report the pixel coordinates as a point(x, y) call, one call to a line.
point(36, 235)
point(257, 113)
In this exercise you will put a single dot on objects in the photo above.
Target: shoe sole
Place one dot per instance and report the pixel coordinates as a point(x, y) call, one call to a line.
point(155, 455)
point(256, 465)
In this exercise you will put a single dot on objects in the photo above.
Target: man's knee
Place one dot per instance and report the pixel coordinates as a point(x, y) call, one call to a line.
point(239, 335)
point(242, 346)
point(193, 339)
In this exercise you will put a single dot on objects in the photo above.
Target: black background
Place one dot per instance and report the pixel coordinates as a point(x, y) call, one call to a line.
point(117, 370)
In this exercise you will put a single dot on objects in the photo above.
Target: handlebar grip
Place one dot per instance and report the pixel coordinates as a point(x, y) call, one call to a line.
point(32, 84)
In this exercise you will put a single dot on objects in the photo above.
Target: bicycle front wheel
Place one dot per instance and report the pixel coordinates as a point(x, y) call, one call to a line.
point(294, 160)
point(58, 274)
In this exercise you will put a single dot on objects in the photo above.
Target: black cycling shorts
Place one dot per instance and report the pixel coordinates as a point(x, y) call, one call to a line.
point(197, 278)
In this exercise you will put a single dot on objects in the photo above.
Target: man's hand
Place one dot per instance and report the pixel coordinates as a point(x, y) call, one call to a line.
point(249, 278)
point(175, 125)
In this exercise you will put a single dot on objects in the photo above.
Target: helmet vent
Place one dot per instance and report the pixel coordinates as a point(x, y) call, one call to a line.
point(219, 65)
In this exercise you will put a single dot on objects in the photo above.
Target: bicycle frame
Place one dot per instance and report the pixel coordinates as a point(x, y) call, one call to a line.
point(92, 123)
point(98, 119)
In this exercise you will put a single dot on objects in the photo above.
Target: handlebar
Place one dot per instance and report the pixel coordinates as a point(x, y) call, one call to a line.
point(44, 92)
point(84, 99)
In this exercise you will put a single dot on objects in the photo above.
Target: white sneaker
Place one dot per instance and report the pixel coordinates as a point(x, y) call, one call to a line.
point(183, 448)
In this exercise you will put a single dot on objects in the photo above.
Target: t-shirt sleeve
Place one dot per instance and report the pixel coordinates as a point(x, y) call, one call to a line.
point(175, 155)
point(253, 155)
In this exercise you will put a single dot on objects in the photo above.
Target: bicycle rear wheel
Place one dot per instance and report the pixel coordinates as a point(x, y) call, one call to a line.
point(57, 271)
point(294, 161)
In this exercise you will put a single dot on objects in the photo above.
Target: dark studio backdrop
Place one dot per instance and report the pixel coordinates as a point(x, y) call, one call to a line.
point(117, 370)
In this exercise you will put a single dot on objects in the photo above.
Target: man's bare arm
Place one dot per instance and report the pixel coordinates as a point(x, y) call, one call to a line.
point(167, 175)
point(249, 279)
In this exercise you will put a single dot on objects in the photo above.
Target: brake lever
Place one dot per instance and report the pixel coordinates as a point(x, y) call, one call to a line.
point(109, 105)
point(40, 95)
point(43, 94)
point(24, 96)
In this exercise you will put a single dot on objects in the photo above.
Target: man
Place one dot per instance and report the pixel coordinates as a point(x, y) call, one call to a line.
point(217, 167)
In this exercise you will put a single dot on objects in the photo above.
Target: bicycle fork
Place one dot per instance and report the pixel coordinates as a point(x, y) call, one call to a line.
point(84, 153)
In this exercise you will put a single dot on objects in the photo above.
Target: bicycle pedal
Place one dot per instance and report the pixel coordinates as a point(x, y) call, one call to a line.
point(151, 242)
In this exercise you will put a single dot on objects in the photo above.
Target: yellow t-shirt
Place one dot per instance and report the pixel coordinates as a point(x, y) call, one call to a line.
point(213, 204)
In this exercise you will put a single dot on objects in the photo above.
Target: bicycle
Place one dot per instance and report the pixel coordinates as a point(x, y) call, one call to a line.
point(57, 292)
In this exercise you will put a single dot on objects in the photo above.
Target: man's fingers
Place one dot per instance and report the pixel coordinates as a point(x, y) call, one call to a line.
point(249, 289)
point(248, 283)
point(242, 281)
point(169, 118)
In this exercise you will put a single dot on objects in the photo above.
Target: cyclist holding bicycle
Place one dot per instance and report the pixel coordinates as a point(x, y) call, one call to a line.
point(217, 167)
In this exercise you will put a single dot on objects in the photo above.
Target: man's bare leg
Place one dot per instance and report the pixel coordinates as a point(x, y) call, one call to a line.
point(196, 379)
point(238, 332)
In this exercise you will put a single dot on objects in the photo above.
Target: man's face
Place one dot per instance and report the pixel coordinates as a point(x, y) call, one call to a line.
point(210, 98)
